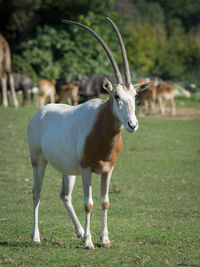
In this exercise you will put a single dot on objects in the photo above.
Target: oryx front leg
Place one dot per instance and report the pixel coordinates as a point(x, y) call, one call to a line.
point(66, 196)
point(88, 205)
point(105, 182)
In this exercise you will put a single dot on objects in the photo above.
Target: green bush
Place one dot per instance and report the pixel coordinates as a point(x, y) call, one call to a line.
point(141, 48)
point(20, 65)
point(44, 51)
point(71, 50)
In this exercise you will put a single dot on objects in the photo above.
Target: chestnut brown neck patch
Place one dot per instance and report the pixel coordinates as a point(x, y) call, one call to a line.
point(103, 143)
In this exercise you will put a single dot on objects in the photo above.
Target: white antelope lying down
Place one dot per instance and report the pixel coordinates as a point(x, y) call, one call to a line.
point(83, 139)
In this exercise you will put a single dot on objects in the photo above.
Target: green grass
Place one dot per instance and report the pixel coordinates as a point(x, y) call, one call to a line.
point(192, 102)
point(154, 215)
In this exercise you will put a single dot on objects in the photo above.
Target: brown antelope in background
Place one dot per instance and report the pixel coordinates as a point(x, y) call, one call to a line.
point(46, 89)
point(161, 92)
point(84, 139)
point(69, 92)
point(148, 97)
point(166, 92)
point(5, 72)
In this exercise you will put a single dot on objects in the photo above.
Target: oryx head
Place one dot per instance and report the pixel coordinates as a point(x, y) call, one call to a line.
point(123, 95)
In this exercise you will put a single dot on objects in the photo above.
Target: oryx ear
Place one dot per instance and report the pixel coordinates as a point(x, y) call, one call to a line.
point(142, 86)
point(107, 85)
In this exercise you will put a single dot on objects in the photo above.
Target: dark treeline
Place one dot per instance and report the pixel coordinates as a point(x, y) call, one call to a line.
point(162, 37)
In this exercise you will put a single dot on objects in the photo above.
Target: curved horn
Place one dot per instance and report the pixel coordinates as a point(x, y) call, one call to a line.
point(112, 60)
point(124, 55)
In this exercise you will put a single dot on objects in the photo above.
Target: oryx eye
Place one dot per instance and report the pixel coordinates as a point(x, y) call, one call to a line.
point(116, 97)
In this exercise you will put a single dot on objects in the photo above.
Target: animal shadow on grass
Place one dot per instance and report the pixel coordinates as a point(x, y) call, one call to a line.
point(45, 242)
point(96, 245)
point(14, 244)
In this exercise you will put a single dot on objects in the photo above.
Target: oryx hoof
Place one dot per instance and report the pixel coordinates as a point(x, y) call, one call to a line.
point(106, 245)
point(89, 246)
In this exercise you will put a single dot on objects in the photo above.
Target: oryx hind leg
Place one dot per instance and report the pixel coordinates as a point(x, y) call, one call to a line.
point(68, 182)
point(39, 166)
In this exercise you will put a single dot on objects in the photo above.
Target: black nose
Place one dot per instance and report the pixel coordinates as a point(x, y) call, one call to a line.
point(131, 125)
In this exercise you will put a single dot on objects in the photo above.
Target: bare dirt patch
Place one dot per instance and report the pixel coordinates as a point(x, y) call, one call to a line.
point(181, 114)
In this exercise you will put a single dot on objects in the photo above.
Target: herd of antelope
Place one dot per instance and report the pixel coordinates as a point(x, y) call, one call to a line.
point(47, 91)
point(160, 92)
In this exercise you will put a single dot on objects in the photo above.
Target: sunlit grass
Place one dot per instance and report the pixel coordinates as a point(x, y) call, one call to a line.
point(154, 213)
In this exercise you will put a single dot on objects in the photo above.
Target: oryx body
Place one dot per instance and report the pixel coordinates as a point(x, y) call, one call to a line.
point(83, 139)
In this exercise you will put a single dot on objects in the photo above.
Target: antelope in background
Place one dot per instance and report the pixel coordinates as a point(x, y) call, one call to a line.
point(148, 97)
point(161, 92)
point(46, 89)
point(166, 92)
point(66, 90)
point(5, 72)
point(84, 139)
point(25, 84)
point(70, 92)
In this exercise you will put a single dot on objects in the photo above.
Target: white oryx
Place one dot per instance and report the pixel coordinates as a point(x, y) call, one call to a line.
point(83, 139)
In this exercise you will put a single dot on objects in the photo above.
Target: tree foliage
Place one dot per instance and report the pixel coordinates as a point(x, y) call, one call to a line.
point(141, 47)
point(161, 36)
point(70, 49)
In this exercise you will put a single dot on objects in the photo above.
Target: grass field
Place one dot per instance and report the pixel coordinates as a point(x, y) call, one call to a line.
point(154, 215)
